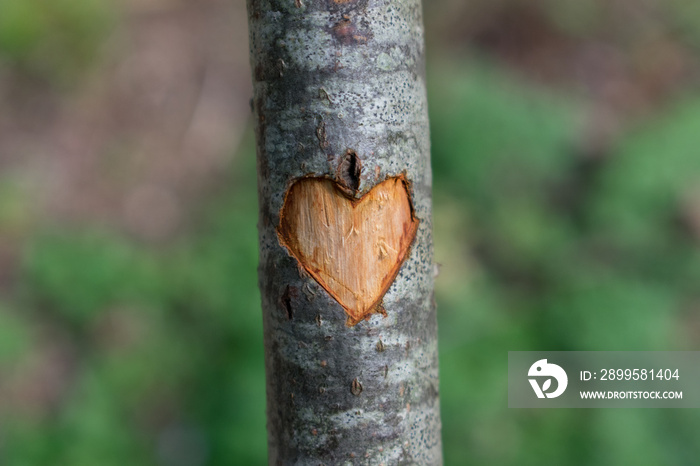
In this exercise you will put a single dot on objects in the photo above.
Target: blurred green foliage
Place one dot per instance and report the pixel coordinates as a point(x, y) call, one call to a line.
point(541, 249)
point(55, 39)
point(170, 357)
point(156, 351)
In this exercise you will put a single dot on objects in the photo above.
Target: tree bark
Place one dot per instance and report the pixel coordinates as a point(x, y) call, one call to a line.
point(340, 96)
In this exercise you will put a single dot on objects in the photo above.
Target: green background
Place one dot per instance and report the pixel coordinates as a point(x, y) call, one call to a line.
point(566, 159)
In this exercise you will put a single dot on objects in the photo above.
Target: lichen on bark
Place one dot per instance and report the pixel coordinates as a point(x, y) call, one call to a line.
point(333, 79)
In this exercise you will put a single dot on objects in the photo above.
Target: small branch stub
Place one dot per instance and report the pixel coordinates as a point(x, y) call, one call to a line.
point(356, 387)
point(380, 346)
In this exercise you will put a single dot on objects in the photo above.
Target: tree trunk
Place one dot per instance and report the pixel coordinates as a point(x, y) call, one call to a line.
point(346, 259)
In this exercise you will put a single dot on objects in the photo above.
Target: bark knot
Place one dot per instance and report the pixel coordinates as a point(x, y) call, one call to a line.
point(356, 387)
point(346, 32)
point(349, 170)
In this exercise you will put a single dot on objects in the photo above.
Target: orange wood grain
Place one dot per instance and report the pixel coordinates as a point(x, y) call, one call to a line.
point(352, 247)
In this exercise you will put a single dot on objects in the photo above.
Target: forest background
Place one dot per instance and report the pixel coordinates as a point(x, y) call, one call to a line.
point(566, 163)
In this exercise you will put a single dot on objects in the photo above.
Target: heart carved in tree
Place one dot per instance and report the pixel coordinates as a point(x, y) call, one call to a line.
point(353, 248)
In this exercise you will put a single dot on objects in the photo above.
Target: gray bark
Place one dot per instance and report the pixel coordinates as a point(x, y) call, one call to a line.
point(332, 78)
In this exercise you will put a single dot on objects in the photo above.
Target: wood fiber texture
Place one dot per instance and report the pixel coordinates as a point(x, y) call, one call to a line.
point(352, 247)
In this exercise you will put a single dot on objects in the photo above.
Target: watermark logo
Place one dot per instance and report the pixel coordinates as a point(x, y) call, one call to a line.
point(544, 370)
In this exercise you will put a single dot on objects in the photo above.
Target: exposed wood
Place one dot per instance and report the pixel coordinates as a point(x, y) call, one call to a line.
point(352, 247)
